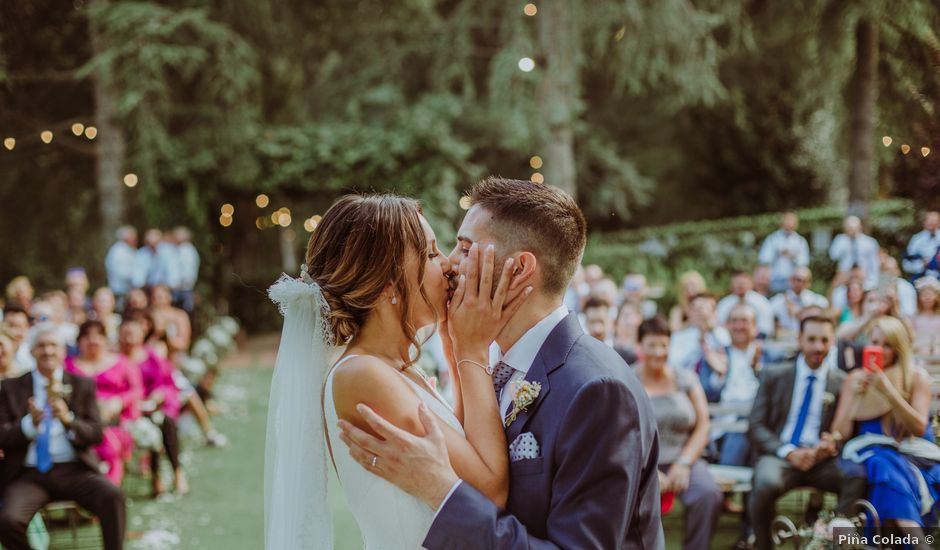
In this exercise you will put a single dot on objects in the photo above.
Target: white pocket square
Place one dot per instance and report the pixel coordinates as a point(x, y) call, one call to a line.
point(524, 447)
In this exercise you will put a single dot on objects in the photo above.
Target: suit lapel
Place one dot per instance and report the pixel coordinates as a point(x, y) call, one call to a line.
point(787, 381)
point(551, 356)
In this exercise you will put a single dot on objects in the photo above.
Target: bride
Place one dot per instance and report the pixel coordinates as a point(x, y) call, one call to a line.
point(374, 278)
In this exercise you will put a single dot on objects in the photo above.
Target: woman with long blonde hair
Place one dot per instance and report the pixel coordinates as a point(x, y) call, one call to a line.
point(691, 284)
point(887, 409)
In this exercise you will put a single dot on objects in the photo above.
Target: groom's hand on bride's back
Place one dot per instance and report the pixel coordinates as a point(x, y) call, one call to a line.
point(417, 465)
point(477, 313)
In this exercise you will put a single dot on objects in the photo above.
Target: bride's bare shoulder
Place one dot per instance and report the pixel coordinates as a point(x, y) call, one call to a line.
point(369, 380)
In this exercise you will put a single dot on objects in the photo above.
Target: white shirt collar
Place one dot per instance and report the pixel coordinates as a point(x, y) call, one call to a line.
point(38, 378)
point(522, 354)
point(803, 370)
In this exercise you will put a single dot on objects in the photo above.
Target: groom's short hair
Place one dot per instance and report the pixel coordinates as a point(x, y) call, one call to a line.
point(537, 218)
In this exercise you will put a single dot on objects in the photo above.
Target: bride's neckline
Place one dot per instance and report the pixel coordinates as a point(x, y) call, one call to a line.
point(424, 383)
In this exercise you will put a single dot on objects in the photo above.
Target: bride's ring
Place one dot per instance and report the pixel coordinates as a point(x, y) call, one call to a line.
point(375, 459)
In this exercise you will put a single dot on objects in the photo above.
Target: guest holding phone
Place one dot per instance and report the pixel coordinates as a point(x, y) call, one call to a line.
point(886, 408)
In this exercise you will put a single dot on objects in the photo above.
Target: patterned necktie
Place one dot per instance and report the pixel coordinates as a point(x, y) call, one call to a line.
point(804, 411)
point(43, 452)
point(501, 374)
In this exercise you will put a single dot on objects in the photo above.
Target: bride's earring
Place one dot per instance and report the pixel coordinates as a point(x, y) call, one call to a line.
point(394, 300)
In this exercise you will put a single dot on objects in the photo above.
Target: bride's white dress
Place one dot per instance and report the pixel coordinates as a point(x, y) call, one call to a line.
point(389, 518)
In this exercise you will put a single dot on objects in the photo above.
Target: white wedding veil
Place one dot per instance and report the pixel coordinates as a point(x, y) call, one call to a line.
point(296, 508)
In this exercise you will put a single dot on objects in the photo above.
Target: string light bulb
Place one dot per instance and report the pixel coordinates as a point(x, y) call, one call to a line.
point(530, 9)
point(465, 202)
point(886, 141)
point(262, 200)
point(535, 162)
point(284, 220)
point(925, 151)
point(227, 209)
point(91, 132)
point(905, 148)
point(538, 178)
point(46, 137)
point(9, 143)
point(78, 128)
point(225, 221)
point(130, 180)
point(526, 64)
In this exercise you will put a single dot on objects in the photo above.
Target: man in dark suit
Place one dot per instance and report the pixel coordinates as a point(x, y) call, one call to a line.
point(583, 454)
point(49, 426)
point(789, 426)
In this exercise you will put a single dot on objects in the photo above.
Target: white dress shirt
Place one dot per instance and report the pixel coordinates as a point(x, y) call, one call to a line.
point(522, 354)
point(157, 267)
point(742, 382)
point(188, 265)
point(765, 315)
point(120, 265)
point(772, 253)
point(925, 245)
point(907, 298)
point(810, 435)
point(778, 304)
point(60, 445)
point(862, 250)
point(685, 350)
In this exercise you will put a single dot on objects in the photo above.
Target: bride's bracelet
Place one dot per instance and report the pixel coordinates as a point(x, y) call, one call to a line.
point(486, 369)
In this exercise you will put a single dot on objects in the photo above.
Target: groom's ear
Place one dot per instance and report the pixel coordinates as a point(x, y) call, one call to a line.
point(526, 264)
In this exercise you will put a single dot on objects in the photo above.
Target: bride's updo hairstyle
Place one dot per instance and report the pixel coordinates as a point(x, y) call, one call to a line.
point(362, 244)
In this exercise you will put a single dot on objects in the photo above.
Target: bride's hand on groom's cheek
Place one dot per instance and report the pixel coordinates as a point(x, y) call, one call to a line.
point(477, 313)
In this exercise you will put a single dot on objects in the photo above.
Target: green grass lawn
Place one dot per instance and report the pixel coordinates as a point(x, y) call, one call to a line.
point(224, 510)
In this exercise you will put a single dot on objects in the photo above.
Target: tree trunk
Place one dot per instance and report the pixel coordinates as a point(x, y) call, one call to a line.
point(558, 92)
point(862, 114)
point(288, 250)
point(110, 150)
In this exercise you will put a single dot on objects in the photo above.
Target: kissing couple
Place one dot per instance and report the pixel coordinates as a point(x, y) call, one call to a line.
point(551, 441)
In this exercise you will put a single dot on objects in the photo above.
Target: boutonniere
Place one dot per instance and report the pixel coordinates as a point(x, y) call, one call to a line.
point(828, 399)
point(525, 394)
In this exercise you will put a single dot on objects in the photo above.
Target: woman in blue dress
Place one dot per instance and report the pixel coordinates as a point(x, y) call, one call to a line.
point(886, 412)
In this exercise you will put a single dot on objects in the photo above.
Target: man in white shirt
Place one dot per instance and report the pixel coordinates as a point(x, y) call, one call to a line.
point(742, 293)
point(636, 292)
point(854, 248)
point(735, 383)
point(789, 425)
point(786, 306)
point(597, 318)
point(784, 250)
point(188, 269)
point(904, 290)
point(923, 246)
point(156, 262)
point(121, 262)
point(702, 341)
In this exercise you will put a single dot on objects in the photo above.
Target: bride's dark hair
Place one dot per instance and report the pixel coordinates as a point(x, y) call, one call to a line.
point(360, 246)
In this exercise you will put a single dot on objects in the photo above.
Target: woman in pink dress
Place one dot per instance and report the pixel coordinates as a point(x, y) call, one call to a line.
point(161, 397)
point(120, 391)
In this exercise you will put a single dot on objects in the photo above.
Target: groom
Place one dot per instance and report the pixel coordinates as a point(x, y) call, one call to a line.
point(583, 453)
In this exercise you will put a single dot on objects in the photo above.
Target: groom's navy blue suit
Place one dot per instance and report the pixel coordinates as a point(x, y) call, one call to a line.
point(595, 484)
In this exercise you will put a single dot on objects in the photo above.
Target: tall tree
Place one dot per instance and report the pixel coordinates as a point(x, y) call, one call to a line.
point(862, 117)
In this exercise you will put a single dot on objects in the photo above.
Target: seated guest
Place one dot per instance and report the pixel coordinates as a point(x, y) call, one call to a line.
point(103, 303)
point(742, 293)
point(879, 301)
point(16, 325)
point(682, 421)
point(20, 293)
point(170, 321)
point(784, 250)
point(923, 247)
point(793, 409)
point(887, 410)
point(847, 300)
point(136, 299)
point(786, 306)
point(76, 290)
point(736, 382)
point(703, 341)
point(761, 278)
point(927, 321)
point(160, 395)
point(119, 391)
point(636, 292)
point(598, 321)
point(626, 332)
point(691, 284)
point(903, 289)
point(8, 368)
point(49, 425)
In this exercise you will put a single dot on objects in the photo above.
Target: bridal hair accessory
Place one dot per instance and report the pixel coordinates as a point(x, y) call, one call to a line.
point(296, 508)
point(526, 393)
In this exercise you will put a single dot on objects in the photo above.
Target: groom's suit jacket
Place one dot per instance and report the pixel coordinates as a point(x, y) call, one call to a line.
point(595, 484)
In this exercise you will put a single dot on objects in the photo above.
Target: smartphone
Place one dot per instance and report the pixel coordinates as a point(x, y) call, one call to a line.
point(873, 358)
